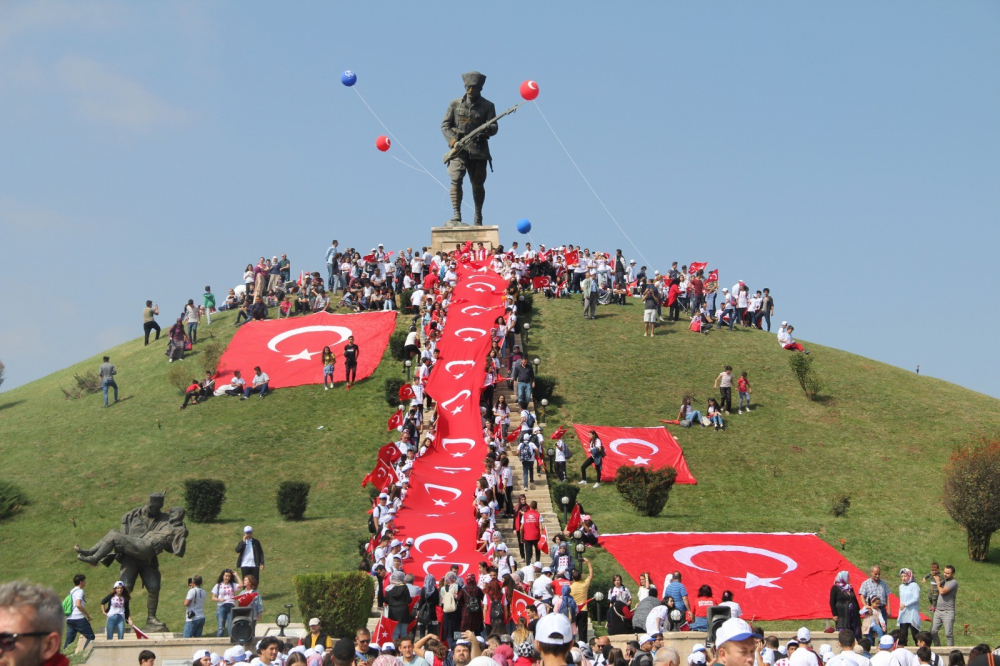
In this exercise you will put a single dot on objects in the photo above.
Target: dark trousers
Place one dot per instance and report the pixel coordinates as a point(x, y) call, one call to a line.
point(531, 550)
point(590, 305)
point(151, 326)
point(726, 402)
point(581, 625)
point(561, 470)
point(509, 506)
point(766, 316)
point(188, 397)
point(527, 472)
point(906, 629)
point(82, 627)
point(675, 311)
point(250, 571)
point(587, 463)
point(351, 370)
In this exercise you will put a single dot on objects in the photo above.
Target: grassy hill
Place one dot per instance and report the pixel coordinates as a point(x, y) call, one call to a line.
point(83, 466)
point(881, 434)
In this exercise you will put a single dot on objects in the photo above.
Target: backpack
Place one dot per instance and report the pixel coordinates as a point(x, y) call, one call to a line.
point(372, 528)
point(68, 604)
point(525, 453)
point(425, 614)
point(530, 420)
point(496, 614)
point(448, 604)
point(472, 603)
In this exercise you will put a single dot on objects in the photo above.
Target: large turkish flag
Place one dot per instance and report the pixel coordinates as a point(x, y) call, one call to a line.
point(773, 576)
point(641, 447)
point(290, 351)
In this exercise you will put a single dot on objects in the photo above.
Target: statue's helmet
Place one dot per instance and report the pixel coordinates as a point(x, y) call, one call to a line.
point(474, 79)
point(156, 499)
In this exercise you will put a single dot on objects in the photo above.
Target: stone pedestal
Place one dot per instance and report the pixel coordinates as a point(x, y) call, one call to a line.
point(445, 238)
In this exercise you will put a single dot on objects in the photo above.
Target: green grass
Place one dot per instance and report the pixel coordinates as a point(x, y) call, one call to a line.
point(83, 466)
point(880, 433)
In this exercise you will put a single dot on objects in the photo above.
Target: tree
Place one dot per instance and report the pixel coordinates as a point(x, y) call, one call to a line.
point(3, 368)
point(972, 492)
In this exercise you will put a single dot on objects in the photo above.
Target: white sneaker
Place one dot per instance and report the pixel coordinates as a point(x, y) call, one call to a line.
point(740, 412)
point(597, 485)
point(326, 388)
point(583, 482)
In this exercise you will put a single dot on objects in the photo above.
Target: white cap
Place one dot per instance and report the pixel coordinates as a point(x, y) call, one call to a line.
point(784, 323)
point(546, 568)
point(803, 635)
point(383, 495)
point(314, 621)
point(645, 638)
point(409, 541)
point(501, 546)
point(388, 646)
point(554, 629)
point(199, 654)
point(886, 642)
point(118, 583)
point(696, 658)
point(825, 647)
point(299, 648)
point(216, 659)
point(698, 647)
point(537, 565)
point(247, 530)
point(394, 543)
point(733, 629)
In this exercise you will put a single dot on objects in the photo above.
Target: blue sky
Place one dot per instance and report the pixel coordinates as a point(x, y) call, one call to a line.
point(843, 154)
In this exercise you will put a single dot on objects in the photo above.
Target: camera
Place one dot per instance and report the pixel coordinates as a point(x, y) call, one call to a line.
point(190, 615)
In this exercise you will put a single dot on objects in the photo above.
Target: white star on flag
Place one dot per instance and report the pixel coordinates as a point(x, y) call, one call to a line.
point(304, 355)
point(436, 558)
point(440, 503)
point(639, 460)
point(751, 581)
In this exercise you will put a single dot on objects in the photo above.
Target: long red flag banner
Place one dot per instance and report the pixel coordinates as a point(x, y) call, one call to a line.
point(436, 512)
point(773, 576)
point(640, 447)
point(290, 351)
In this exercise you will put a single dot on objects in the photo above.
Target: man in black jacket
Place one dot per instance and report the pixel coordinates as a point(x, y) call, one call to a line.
point(250, 561)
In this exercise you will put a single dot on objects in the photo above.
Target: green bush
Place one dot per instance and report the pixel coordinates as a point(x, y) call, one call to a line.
point(560, 489)
point(341, 601)
point(525, 305)
point(179, 376)
point(841, 503)
point(396, 343)
point(647, 490)
point(544, 388)
point(809, 380)
point(293, 498)
point(11, 499)
point(203, 499)
point(209, 355)
point(392, 386)
point(972, 492)
point(405, 299)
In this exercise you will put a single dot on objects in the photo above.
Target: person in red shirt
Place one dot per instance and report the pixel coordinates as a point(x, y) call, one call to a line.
point(672, 302)
point(701, 606)
point(697, 288)
point(191, 393)
point(430, 280)
point(743, 385)
point(531, 532)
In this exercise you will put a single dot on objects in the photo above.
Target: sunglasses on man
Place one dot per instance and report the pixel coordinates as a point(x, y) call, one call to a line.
point(8, 641)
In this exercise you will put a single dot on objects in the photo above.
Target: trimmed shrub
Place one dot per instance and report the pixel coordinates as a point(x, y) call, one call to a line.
point(647, 490)
point(209, 354)
point(807, 376)
point(396, 343)
point(560, 489)
point(525, 305)
point(544, 388)
point(203, 499)
point(841, 503)
point(341, 601)
point(179, 376)
point(12, 499)
point(392, 386)
point(293, 498)
point(405, 299)
point(972, 492)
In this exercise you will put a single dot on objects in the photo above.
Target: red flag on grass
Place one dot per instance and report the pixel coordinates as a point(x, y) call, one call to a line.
point(639, 447)
point(574, 519)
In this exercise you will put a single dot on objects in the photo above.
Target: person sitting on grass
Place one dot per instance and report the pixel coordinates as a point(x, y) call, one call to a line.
point(715, 414)
point(191, 393)
point(259, 384)
point(786, 340)
point(688, 413)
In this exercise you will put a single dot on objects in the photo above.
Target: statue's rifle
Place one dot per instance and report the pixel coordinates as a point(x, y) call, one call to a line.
point(466, 141)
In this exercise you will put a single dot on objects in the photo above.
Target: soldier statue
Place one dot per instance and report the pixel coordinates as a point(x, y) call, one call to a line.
point(462, 117)
point(145, 533)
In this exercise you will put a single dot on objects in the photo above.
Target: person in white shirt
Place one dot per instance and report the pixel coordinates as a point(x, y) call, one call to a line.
point(542, 587)
point(260, 380)
point(804, 655)
point(78, 621)
point(847, 655)
point(727, 600)
point(655, 619)
point(884, 656)
point(195, 604)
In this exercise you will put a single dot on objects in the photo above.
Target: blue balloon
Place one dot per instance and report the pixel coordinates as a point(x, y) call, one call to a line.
point(348, 78)
point(524, 225)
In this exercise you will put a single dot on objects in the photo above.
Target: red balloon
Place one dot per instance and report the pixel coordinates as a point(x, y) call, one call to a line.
point(529, 90)
point(383, 143)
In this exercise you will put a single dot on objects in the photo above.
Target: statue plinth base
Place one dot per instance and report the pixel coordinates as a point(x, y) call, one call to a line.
point(445, 238)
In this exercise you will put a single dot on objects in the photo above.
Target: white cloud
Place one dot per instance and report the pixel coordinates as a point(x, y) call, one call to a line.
point(103, 95)
point(20, 18)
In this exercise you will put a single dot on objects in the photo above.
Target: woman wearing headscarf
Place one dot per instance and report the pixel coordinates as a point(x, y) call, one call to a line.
point(472, 606)
point(844, 605)
point(565, 604)
point(909, 606)
point(450, 595)
point(427, 618)
point(397, 600)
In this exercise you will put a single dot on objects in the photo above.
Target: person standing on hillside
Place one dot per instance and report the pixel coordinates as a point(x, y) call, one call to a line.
point(944, 611)
point(724, 382)
point(191, 316)
point(250, 555)
point(107, 374)
point(148, 320)
point(591, 292)
point(194, 602)
point(332, 254)
point(874, 586)
point(208, 302)
point(351, 354)
point(765, 310)
point(650, 304)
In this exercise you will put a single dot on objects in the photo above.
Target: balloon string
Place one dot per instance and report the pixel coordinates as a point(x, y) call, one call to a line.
point(389, 132)
point(578, 170)
point(407, 164)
